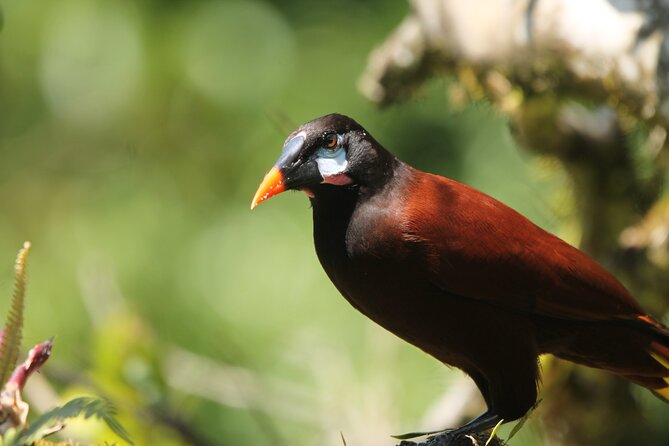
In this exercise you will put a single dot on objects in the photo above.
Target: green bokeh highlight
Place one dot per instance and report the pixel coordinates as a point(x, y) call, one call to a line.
point(132, 138)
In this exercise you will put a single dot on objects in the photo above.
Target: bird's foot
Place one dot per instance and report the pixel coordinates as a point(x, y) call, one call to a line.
point(472, 433)
point(449, 438)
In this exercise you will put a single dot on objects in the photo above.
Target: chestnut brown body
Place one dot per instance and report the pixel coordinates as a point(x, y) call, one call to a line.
point(466, 278)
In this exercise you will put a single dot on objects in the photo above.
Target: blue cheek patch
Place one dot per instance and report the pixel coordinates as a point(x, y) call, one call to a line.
point(331, 162)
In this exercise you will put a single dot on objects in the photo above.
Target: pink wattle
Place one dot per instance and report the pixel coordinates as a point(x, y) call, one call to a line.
point(340, 179)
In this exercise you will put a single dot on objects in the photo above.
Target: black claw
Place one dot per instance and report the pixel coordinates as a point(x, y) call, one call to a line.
point(451, 439)
point(455, 437)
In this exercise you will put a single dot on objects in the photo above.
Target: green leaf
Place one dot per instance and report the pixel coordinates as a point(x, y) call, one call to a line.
point(84, 406)
point(494, 432)
point(9, 437)
point(519, 425)
point(415, 434)
point(11, 336)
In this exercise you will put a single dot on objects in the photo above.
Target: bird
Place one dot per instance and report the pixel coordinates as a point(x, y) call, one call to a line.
point(459, 274)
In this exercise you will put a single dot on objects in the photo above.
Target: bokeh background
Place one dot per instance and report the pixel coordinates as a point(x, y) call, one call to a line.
point(133, 135)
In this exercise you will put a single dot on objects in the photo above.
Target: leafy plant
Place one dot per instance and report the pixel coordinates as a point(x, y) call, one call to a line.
point(10, 342)
point(85, 406)
point(14, 428)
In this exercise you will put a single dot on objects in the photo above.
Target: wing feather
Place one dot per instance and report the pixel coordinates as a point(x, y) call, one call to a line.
point(476, 247)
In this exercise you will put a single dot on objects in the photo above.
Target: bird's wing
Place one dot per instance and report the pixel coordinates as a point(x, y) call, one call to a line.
point(476, 247)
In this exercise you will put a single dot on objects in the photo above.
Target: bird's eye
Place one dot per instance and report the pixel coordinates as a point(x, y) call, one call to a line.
point(330, 140)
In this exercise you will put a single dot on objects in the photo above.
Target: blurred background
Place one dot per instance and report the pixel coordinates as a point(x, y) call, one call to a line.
point(133, 135)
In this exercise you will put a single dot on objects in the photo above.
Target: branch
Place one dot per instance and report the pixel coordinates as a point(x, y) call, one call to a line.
point(574, 88)
point(620, 57)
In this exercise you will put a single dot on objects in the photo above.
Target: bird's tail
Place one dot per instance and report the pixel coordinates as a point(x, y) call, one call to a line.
point(660, 353)
point(658, 349)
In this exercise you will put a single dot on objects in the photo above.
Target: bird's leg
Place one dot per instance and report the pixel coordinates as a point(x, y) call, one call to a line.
point(483, 422)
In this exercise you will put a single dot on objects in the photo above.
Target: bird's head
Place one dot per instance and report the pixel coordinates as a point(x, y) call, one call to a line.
point(333, 150)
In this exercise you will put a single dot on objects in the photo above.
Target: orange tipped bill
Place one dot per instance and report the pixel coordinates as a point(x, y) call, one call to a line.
point(271, 185)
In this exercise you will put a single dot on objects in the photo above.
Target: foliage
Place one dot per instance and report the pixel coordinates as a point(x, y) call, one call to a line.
point(14, 430)
point(10, 342)
point(134, 134)
point(55, 418)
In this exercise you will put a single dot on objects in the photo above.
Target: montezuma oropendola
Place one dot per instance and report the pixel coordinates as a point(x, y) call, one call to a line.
point(459, 274)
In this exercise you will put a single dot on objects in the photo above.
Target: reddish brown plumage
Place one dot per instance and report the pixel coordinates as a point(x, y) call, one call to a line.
point(570, 305)
point(468, 279)
point(525, 267)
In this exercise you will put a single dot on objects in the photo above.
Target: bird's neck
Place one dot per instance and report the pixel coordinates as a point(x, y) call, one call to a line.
point(377, 173)
point(334, 205)
point(333, 208)
point(337, 211)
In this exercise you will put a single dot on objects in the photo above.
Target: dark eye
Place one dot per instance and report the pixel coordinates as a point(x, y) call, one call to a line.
point(330, 140)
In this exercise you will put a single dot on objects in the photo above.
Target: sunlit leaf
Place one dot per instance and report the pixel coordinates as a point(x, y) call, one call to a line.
point(519, 425)
point(84, 406)
point(494, 432)
point(9, 437)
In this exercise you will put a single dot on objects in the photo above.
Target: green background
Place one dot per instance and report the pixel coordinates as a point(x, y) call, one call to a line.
point(133, 135)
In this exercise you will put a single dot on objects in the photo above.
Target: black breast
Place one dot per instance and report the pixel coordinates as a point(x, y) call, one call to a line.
point(360, 245)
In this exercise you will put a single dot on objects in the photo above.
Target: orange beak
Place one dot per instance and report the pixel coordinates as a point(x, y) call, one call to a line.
point(271, 185)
